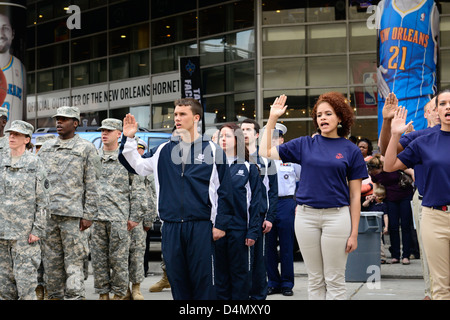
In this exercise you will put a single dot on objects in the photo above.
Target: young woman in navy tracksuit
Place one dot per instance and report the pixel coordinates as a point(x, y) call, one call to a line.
point(233, 251)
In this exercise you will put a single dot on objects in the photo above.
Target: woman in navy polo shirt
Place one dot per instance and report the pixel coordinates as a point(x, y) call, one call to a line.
point(233, 252)
point(430, 151)
point(329, 197)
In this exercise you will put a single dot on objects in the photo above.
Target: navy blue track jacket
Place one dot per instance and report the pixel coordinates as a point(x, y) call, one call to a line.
point(196, 188)
point(247, 195)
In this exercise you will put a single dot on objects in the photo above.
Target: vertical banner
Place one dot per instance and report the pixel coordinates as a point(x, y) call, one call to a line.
point(12, 53)
point(190, 79)
point(408, 33)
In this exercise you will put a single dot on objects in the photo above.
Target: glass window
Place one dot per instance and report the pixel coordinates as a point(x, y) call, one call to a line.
point(129, 39)
point(325, 10)
point(283, 41)
point(363, 68)
point(174, 29)
point(31, 39)
point(139, 64)
point(52, 32)
point(230, 47)
point(80, 74)
point(366, 128)
point(213, 79)
point(61, 79)
point(445, 65)
point(284, 73)
point(89, 48)
point(230, 108)
point(364, 100)
point(31, 83)
point(53, 56)
point(240, 76)
point(45, 81)
point(161, 8)
point(313, 94)
point(327, 71)
point(119, 67)
point(141, 113)
point(444, 27)
point(30, 64)
point(362, 38)
point(237, 15)
point(327, 38)
point(360, 9)
point(166, 58)
point(98, 71)
point(162, 115)
point(91, 22)
point(283, 12)
point(128, 12)
point(296, 101)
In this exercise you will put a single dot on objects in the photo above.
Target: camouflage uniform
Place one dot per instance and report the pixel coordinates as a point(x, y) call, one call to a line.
point(24, 199)
point(73, 167)
point(138, 234)
point(122, 196)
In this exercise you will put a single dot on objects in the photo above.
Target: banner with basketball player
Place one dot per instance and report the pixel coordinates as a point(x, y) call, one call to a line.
point(408, 38)
point(12, 53)
point(191, 83)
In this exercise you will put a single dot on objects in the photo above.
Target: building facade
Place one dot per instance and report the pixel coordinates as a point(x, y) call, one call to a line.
point(124, 58)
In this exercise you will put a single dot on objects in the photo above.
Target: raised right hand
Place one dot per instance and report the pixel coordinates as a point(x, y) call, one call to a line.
point(130, 126)
point(398, 124)
point(278, 108)
point(390, 106)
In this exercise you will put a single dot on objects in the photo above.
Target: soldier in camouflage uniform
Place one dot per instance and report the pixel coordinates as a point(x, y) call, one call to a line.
point(122, 197)
point(137, 246)
point(3, 121)
point(24, 199)
point(41, 291)
point(73, 166)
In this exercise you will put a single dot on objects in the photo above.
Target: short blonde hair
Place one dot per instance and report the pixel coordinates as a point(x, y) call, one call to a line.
point(380, 191)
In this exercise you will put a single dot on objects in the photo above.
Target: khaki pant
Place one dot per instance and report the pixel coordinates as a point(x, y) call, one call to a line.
point(435, 227)
point(322, 236)
point(417, 215)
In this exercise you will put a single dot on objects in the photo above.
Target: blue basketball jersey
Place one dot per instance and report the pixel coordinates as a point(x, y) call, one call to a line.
point(407, 51)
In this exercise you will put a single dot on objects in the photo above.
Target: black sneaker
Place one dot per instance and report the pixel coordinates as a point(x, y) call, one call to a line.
point(287, 292)
point(272, 290)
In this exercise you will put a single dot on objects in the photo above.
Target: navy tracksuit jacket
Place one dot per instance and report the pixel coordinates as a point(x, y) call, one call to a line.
point(193, 195)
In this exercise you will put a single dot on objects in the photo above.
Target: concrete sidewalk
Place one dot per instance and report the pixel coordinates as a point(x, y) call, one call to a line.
point(398, 282)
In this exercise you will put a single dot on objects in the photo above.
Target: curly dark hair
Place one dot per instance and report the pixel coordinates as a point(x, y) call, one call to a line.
point(369, 145)
point(341, 108)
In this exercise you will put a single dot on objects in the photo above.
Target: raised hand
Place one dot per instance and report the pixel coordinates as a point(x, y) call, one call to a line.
point(398, 124)
point(130, 126)
point(278, 108)
point(390, 106)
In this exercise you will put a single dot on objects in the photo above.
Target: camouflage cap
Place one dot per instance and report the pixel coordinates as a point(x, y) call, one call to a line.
point(111, 124)
point(21, 127)
point(41, 139)
point(3, 112)
point(68, 112)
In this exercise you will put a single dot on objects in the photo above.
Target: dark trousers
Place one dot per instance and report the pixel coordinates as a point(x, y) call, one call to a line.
point(232, 266)
point(188, 252)
point(400, 216)
point(258, 289)
point(282, 234)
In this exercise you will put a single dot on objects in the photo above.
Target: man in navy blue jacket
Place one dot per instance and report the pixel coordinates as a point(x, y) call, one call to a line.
point(194, 198)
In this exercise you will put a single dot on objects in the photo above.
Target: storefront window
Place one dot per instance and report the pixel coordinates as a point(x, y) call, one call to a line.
point(296, 101)
point(327, 71)
point(283, 41)
point(119, 68)
point(284, 73)
point(162, 116)
point(362, 38)
point(129, 39)
point(166, 58)
point(173, 29)
point(89, 47)
point(327, 38)
point(53, 56)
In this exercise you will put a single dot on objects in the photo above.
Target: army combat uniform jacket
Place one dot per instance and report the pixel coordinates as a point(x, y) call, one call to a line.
point(23, 197)
point(73, 167)
point(122, 195)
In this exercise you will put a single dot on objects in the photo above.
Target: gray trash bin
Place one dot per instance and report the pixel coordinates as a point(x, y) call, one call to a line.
point(368, 252)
